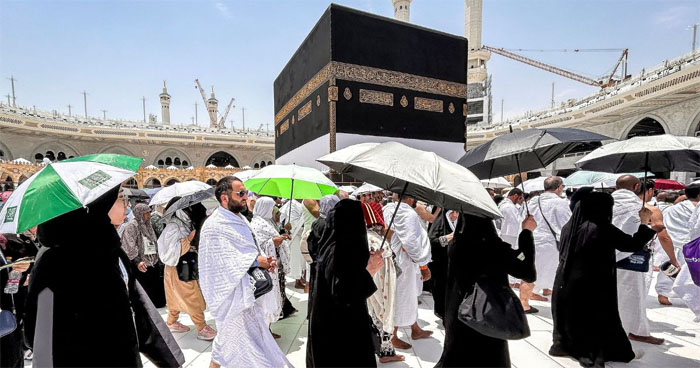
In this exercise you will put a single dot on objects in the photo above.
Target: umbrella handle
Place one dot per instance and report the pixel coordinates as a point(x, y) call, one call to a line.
point(403, 191)
point(291, 198)
point(644, 184)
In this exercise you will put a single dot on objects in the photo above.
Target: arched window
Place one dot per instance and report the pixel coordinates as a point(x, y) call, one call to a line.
point(39, 157)
point(153, 183)
point(161, 163)
point(50, 155)
point(176, 161)
point(211, 182)
point(185, 163)
point(646, 127)
point(256, 166)
point(262, 164)
point(168, 161)
point(222, 159)
point(131, 183)
point(171, 182)
point(61, 156)
point(71, 156)
point(2, 154)
point(269, 162)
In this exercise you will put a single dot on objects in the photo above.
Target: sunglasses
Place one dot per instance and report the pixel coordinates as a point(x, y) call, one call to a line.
point(241, 193)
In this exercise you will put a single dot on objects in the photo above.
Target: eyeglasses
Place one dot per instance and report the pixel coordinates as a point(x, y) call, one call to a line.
point(241, 193)
point(124, 199)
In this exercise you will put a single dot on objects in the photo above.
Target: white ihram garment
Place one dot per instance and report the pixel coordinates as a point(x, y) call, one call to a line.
point(557, 212)
point(411, 246)
point(226, 251)
point(510, 227)
point(631, 285)
point(296, 261)
point(381, 303)
point(677, 220)
point(683, 286)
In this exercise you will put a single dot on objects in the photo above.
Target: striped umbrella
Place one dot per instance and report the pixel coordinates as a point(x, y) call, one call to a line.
point(64, 186)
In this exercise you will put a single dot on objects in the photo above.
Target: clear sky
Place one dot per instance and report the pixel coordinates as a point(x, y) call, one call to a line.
point(119, 51)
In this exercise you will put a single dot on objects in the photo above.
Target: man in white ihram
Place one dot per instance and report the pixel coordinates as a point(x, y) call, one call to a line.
point(551, 212)
point(511, 222)
point(411, 245)
point(227, 250)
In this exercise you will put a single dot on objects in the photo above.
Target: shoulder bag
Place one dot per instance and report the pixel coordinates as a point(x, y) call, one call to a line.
point(637, 261)
point(260, 279)
point(494, 310)
point(8, 322)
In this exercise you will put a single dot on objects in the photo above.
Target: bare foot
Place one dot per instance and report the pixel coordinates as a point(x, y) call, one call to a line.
point(663, 300)
point(547, 292)
point(394, 358)
point(420, 334)
point(647, 339)
point(400, 344)
point(299, 284)
point(538, 297)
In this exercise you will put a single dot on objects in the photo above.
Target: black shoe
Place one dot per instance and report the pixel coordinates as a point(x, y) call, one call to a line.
point(532, 310)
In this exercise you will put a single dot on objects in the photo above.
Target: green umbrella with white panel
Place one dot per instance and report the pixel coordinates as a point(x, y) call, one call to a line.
point(64, 186)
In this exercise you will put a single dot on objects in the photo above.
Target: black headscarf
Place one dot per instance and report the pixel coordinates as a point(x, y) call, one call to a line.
point(578, 194)
point(87, 227)
point(591, 210)
point(197, 214)
point(345, 235)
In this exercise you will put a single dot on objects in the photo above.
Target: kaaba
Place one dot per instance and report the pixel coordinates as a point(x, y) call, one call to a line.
point(359, 77)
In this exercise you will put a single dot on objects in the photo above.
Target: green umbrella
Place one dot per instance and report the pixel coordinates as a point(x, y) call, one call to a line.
point(291, 181)
point(64, 186)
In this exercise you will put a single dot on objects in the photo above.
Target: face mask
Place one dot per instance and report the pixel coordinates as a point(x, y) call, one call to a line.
point(128, 211)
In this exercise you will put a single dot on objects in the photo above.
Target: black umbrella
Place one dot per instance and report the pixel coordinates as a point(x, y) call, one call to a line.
point(524, 150)
point(187, 201)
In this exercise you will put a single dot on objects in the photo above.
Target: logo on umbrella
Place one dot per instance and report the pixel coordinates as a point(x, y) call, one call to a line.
point(10, 214)
point(95, 179)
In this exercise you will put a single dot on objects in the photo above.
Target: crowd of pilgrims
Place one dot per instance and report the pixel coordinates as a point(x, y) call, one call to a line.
point(101, 271)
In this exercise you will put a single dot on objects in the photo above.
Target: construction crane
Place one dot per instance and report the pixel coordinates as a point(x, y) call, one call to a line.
point(222, 121)
point(212, 118)
point(260, 127)
point(606, 82)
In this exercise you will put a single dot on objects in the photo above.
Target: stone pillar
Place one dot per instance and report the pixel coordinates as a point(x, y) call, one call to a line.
point(402, 10)
point(165, 105)
point(212, 109)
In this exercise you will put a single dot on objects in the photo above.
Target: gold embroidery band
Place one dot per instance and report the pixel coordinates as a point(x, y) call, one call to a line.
point(364, 74)
point(304, 111)
point(427, 104)
point(284, 126)
point(376, 97)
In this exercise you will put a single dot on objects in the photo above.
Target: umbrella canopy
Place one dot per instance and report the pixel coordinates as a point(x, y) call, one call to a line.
point(583, 178)
point(152, 191)
point(187, 201)
point(533, 185)
point(366, 188)
point(164, 195)
point(291, 181)
point(246, 174)
point(647, 153)
point(347, 188)
point(64, 186)
point(423, 175)
point(135, 193)
point(668, 184)
point(524, 150)
point(496, 183)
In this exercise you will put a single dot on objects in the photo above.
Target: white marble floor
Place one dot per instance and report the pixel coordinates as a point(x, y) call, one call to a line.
point(673, 323)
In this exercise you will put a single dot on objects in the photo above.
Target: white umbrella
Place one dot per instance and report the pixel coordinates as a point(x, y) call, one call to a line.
point(246, 174)
point(496, 183)
point(420, 174)
point(178, 190)
point(366, 188)
point(533, 185)
point(347, 188)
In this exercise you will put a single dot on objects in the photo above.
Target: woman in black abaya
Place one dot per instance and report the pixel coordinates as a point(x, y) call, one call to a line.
point(340, 331)
point(84, 306)
point(587, 323)
point(477, 250)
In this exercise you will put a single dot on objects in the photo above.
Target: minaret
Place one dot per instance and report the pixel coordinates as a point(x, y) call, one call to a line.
point(402, 10)
point(479, 85)
point(212, 108)
point(165, 105)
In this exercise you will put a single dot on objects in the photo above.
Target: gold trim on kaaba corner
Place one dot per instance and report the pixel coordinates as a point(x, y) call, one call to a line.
point(451, 108)
point(304, 111)
point(331, 126)
point(381, 77)
point(284, 126)
point(333, 93)
point(427, 104)
point(464, 110)
point(347, 94)
point(376, 97)
point(318, 100)
point(404, 101)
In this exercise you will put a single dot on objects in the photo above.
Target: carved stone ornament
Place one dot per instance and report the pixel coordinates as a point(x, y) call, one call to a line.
point(347, 94)
point(376, 97)
point(404, 101)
